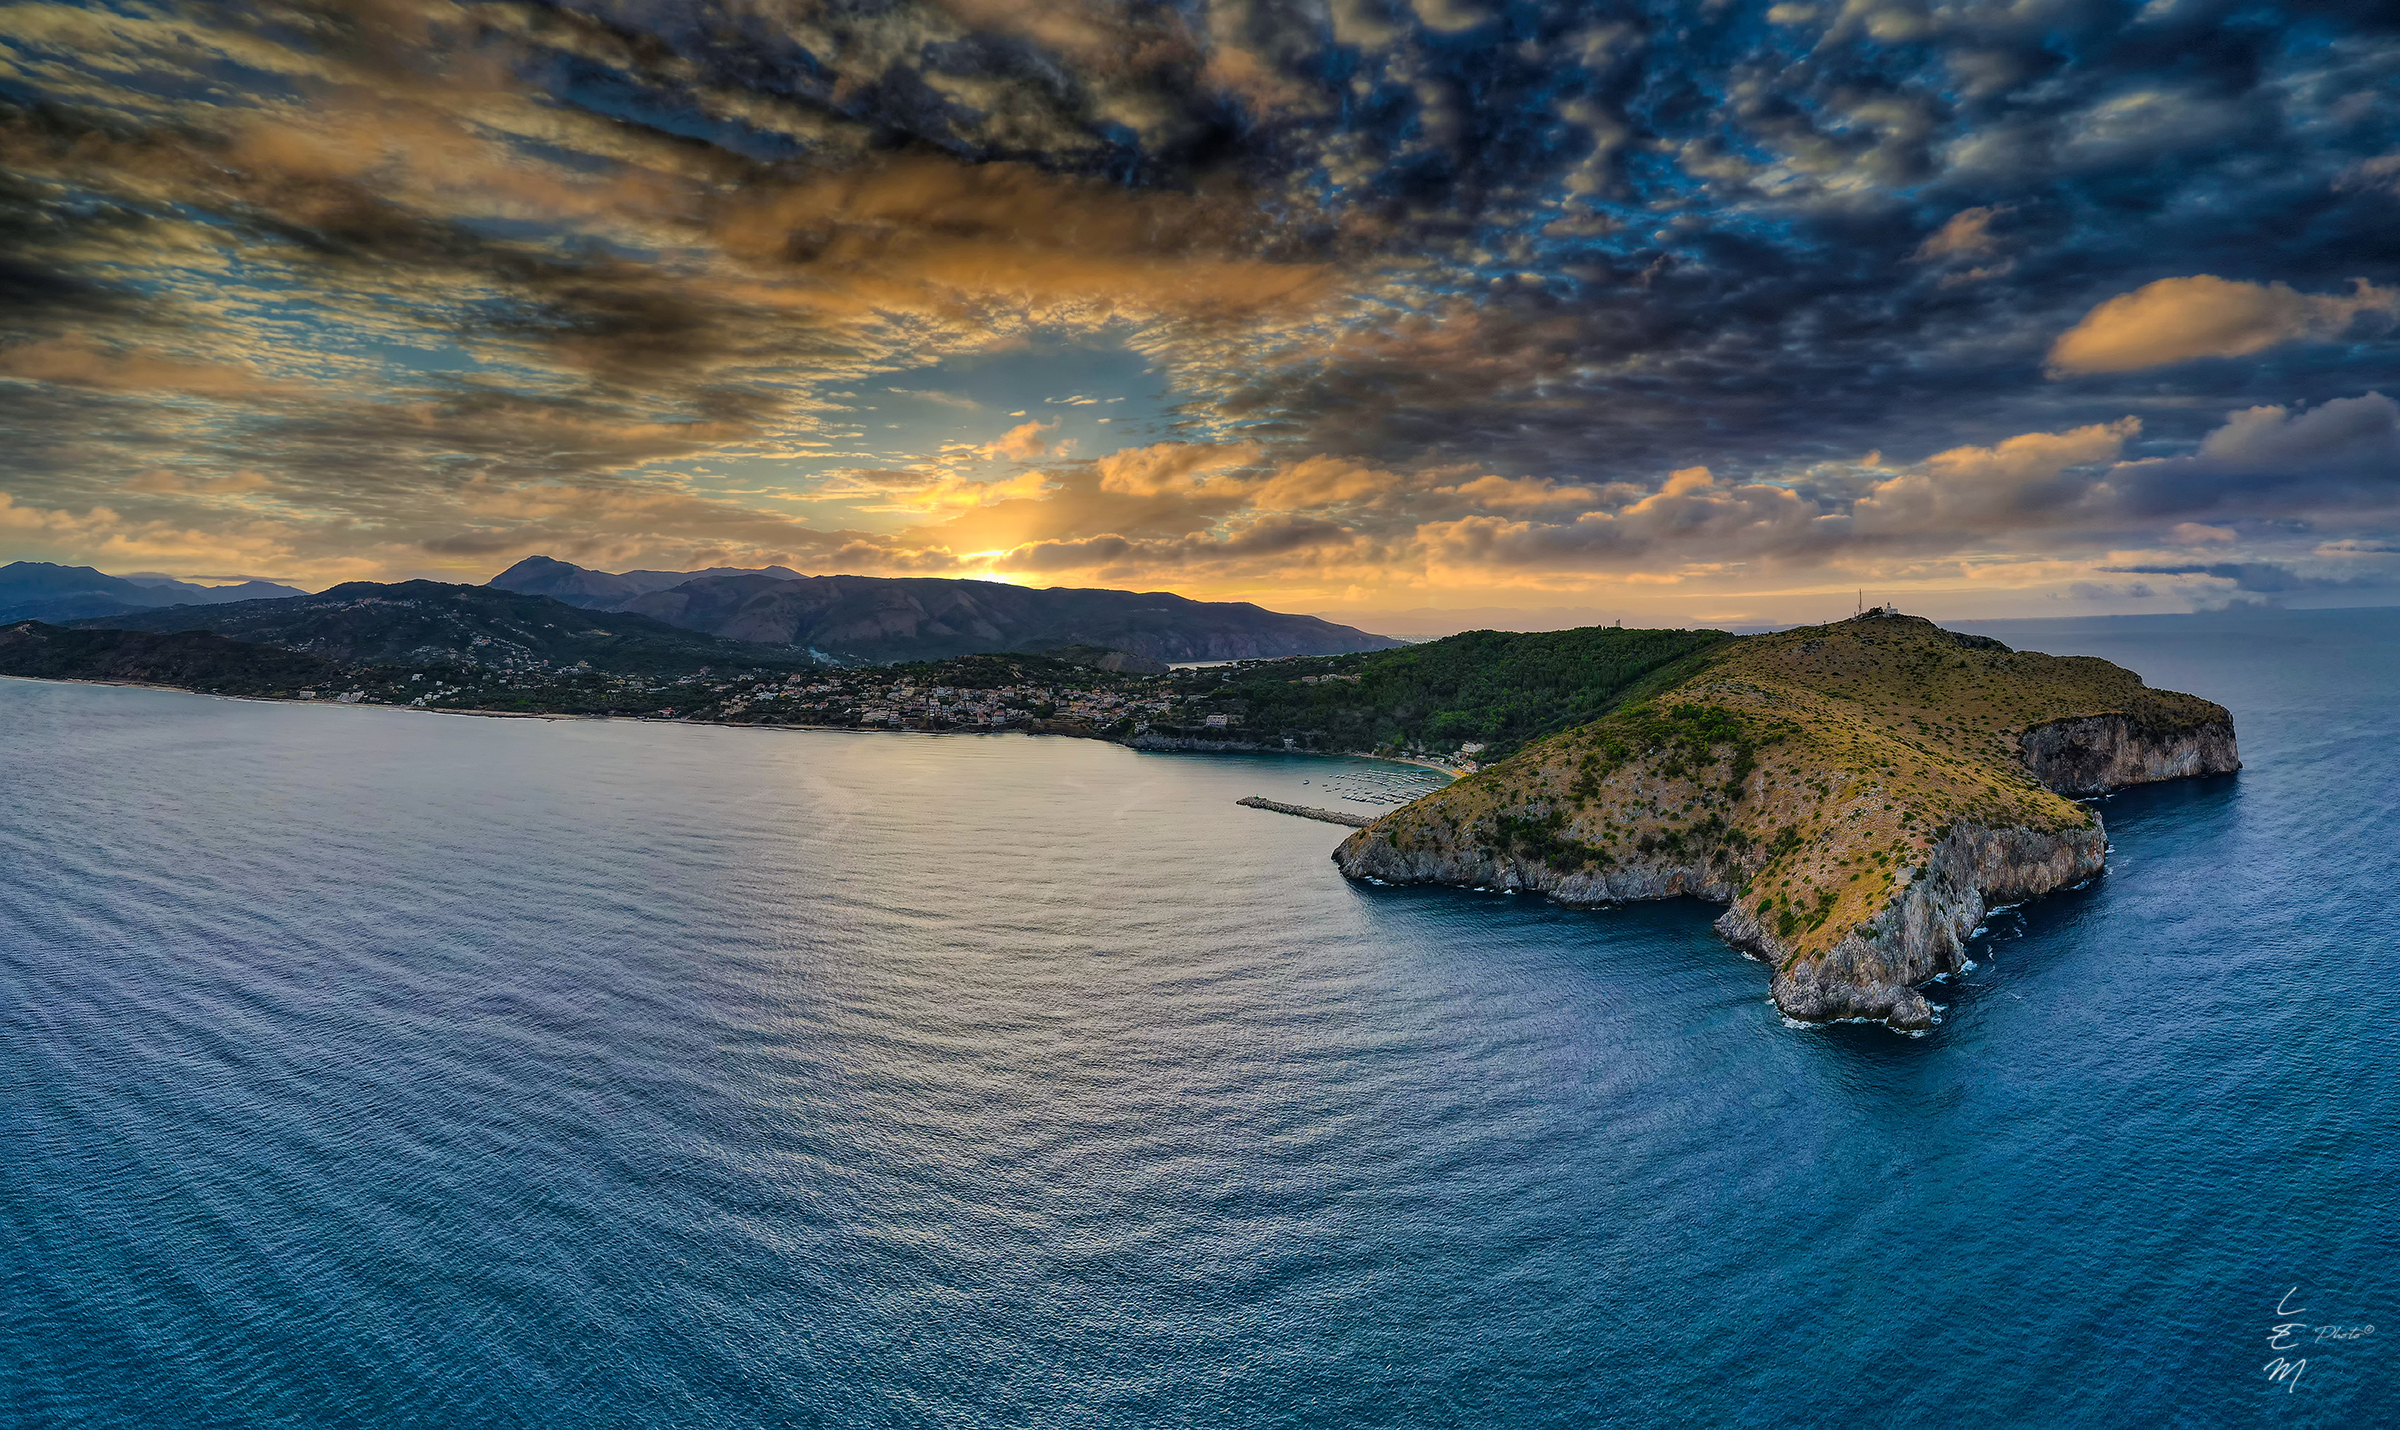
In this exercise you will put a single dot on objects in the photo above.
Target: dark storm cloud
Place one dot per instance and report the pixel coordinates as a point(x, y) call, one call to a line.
point(1451, 281)
point(2264, 577)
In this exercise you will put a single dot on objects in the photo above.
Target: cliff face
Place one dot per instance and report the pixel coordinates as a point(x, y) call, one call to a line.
point(1923, 931)
point(1859, 795)
point(1473, 864)
point(2093, 754)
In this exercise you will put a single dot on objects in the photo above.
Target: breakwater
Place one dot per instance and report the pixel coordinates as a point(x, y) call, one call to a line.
point(1330, 816)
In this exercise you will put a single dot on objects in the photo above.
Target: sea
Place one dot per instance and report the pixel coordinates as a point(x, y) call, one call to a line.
point(361, 1067)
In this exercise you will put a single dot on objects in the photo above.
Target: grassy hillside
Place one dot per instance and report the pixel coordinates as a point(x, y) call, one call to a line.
point(1497, 689)
point(1809, 769)
point(194, 660)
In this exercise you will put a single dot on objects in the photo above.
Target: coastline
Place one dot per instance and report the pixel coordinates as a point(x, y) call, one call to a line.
point(1855, 796)
point(721, 724)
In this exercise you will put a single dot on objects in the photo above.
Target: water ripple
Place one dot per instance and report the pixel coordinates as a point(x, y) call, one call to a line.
point(364, 1068)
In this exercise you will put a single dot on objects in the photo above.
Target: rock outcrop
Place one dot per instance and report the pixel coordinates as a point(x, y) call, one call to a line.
point(1923, 932)
point(1859, 795)
point(2093, 754)
point(1473, 865)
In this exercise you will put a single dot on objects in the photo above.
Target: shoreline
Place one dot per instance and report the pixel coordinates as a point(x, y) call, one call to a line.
point(722, 724)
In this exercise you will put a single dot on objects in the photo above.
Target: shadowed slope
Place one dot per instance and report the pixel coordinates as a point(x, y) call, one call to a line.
point(418, 621)
point(877, 618)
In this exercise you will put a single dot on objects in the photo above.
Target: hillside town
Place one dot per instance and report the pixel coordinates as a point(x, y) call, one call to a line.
point(973, 693)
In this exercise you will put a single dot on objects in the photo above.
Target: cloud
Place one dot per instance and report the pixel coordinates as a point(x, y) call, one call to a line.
point(2032, 480)
point(2097, 591)
point(2381, 173)
point(941, 399)
point(2268, 578)
point(2339, 457)
point(1178, 469)
point(1021, 443)
point(2177, 319)
point(1968, 234)
point(1274, 539)
point(164, 481)
point(1427, 293)
point(1495, 493)
point(2245, 575)
point(78, 362)
point(1314, 483)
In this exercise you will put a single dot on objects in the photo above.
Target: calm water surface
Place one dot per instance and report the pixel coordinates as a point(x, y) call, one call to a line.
point(360, 1067)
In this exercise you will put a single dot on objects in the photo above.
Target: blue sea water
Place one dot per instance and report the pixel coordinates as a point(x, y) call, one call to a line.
point(360, 1067)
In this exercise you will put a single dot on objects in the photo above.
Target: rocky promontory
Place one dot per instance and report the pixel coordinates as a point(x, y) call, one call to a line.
point(1859, 795)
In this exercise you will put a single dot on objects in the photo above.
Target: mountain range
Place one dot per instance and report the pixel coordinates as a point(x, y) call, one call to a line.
point(880, 619)
point(366, 622)
point(771, 615)
point(40, 591)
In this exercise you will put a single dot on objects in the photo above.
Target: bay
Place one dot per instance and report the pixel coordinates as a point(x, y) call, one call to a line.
point(366, 1067)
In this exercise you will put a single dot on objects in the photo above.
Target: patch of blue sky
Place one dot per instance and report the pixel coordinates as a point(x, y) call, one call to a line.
point(1090, 394)
point(618, 97)
point(1070, 379)
point(428, 359)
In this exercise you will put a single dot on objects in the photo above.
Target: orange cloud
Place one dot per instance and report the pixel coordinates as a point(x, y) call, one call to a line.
point(1177, 468)
point(1021, 443)
point(162, 481)
point(2176, 319)
point(1322, 481)
point(2020, 482)
point(77, 362)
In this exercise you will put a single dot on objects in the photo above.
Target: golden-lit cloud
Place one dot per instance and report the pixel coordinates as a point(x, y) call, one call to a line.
point(77, 362)
point(2177, 319)
point(2022, 483)
point(1021, 443)
point(1179, 469)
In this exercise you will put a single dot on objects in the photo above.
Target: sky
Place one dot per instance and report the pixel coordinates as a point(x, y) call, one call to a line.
point(1417, 313)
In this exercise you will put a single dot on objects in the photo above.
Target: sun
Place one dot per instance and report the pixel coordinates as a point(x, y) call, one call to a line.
point(1006, 578)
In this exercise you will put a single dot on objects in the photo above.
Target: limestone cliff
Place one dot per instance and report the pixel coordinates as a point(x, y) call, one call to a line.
point(2093, 754)
point(1859, 794)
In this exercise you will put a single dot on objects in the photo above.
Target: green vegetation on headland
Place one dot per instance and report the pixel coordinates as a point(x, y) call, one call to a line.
point(193, 660)
point(1857, 793)
point(1477, 695)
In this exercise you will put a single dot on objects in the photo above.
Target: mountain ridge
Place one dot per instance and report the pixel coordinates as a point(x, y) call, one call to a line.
point(46, 591)
point(367, 622)
point(883, 619)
